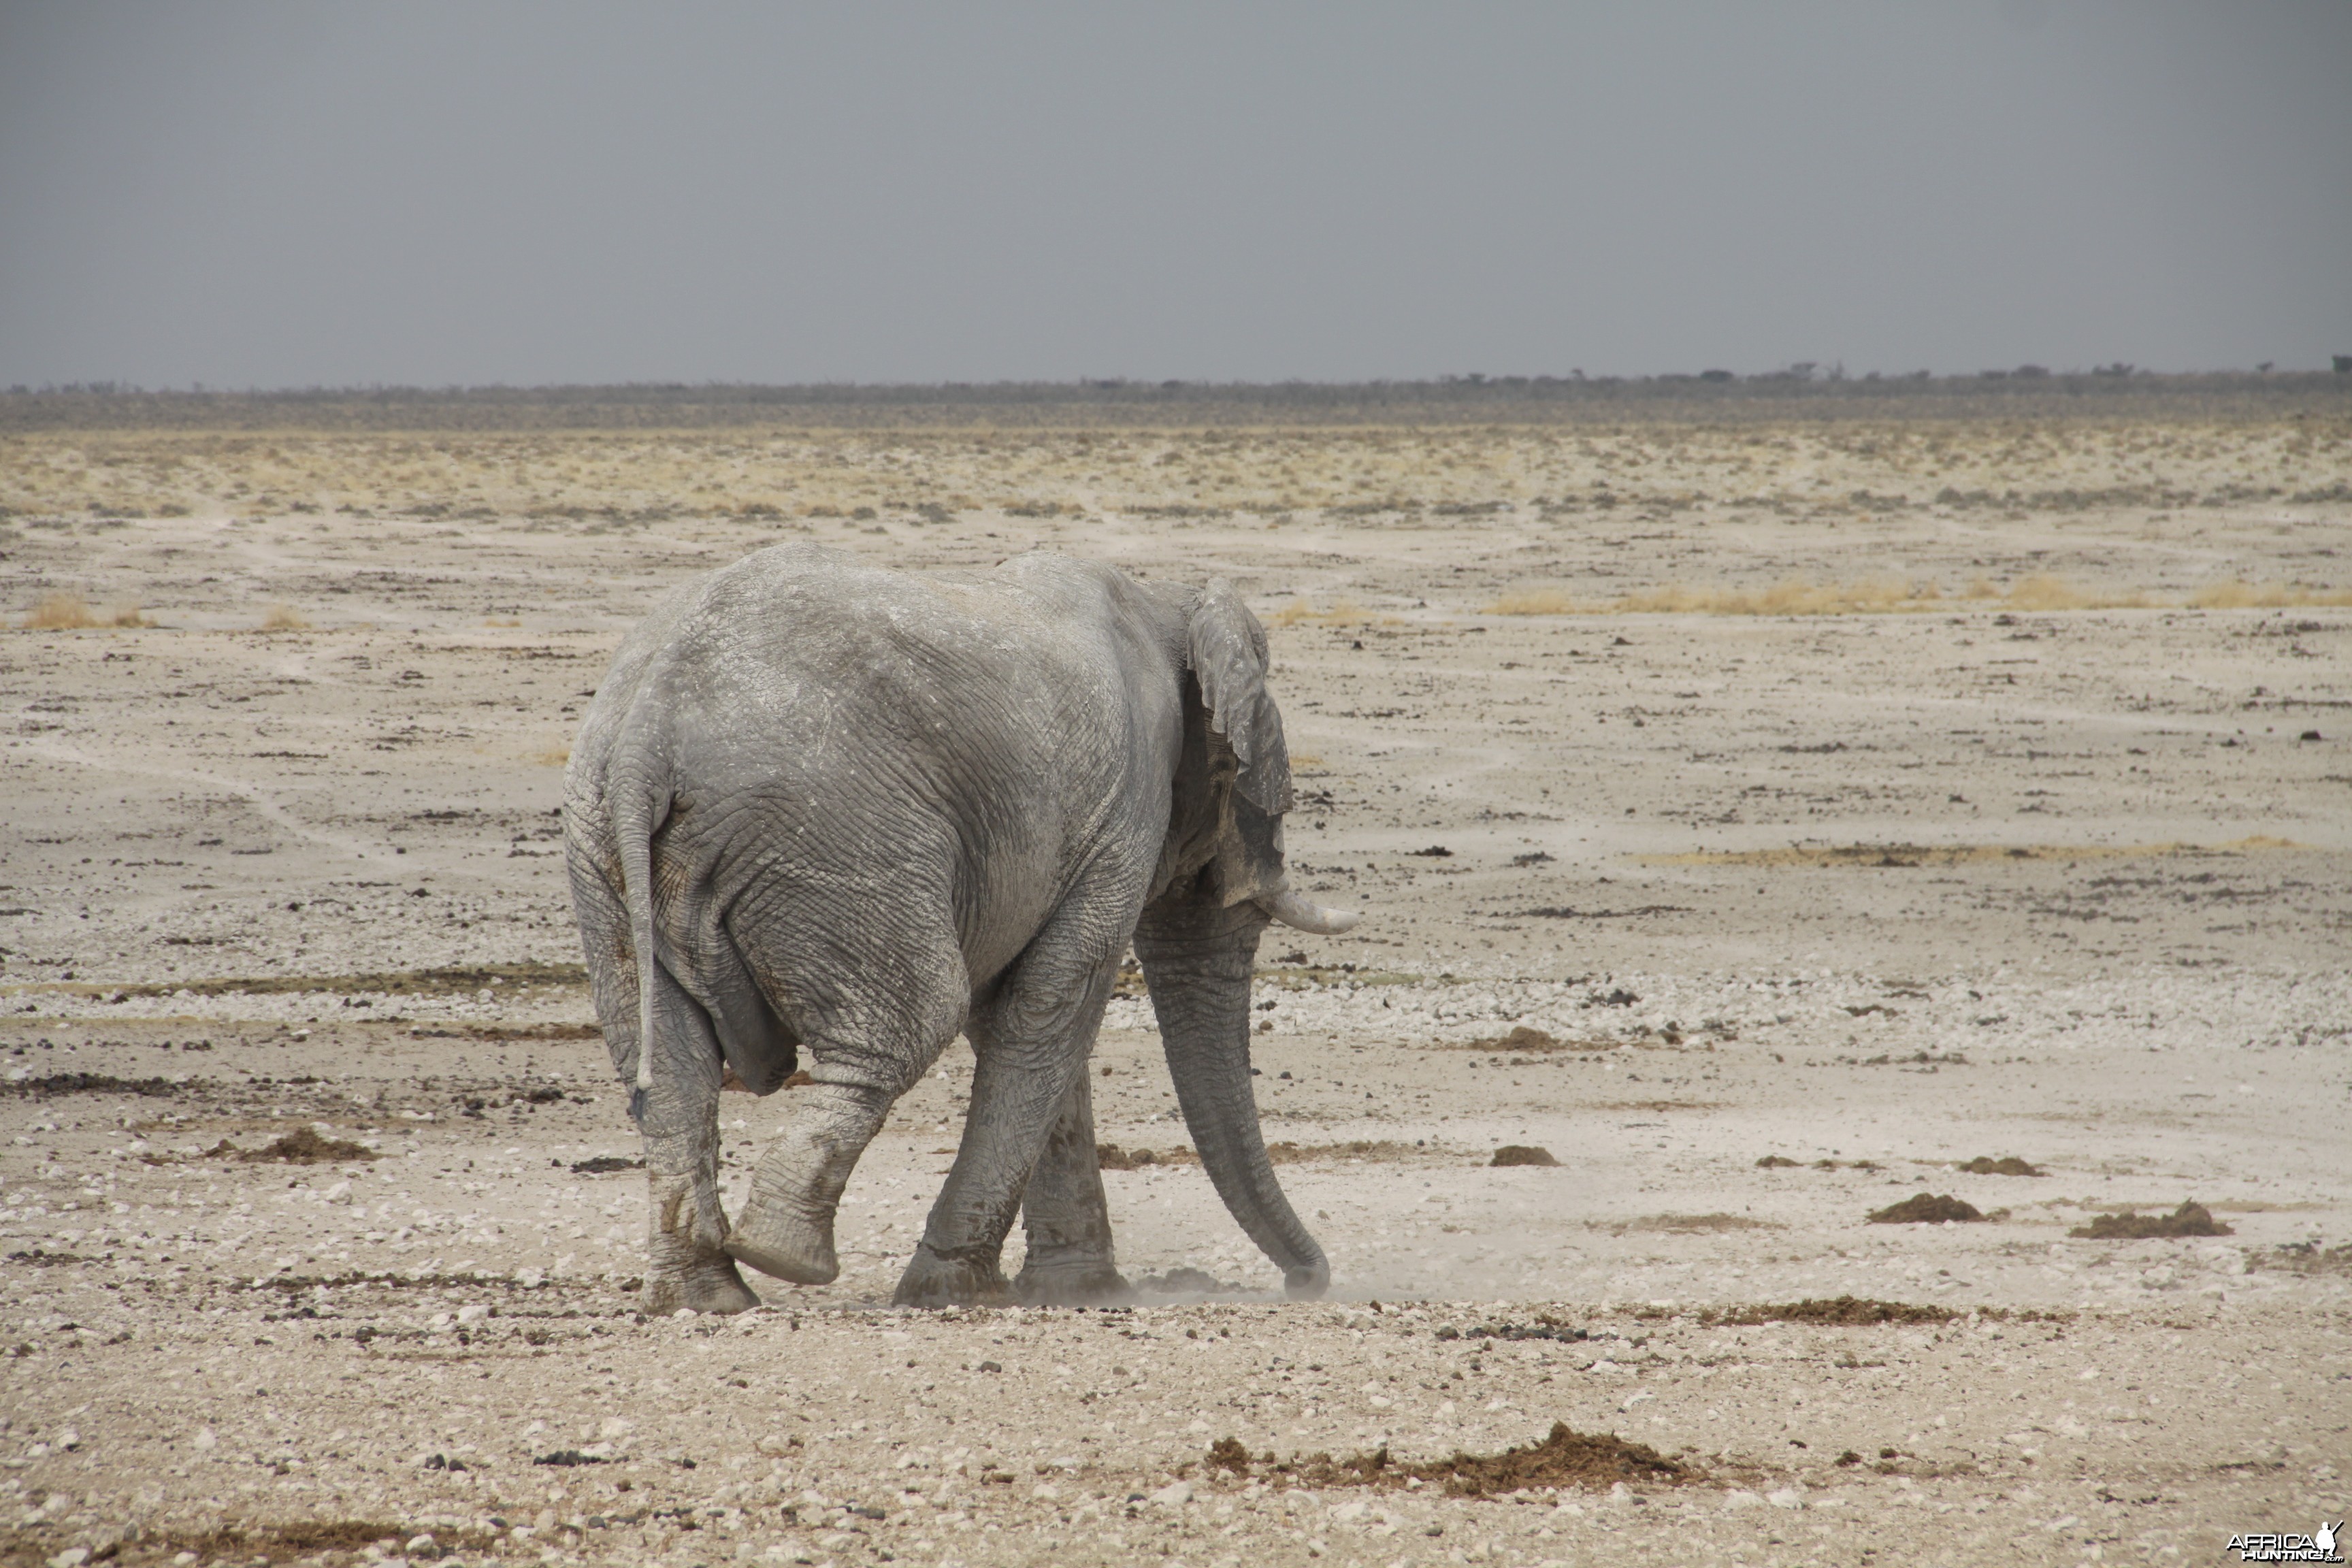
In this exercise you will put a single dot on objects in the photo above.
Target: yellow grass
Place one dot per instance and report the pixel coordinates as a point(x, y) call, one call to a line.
point(284, 618)
point(58, 611)
point(2235, 595)
point(553, 757)
point(1871, 596)
point(1822, 856)
point(1343, 612)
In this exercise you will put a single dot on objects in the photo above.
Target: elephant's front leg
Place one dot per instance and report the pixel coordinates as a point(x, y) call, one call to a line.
point(1031, 1042)
point(678, 1117)
point(1070, 1258)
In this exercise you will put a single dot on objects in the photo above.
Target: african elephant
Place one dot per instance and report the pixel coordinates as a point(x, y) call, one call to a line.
point(821, 806)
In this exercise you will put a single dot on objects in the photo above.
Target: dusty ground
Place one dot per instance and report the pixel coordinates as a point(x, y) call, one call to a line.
point(1994, 873)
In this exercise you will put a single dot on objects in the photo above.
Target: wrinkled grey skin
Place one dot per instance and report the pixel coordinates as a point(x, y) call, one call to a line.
point(824, 813)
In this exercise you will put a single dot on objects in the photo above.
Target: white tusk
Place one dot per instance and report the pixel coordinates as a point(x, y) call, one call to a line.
point(1305, 915)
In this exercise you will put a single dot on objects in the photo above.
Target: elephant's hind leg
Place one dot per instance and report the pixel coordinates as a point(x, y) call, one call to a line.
point(869, 1049)
point(1070, 1261)
point(688, 1265)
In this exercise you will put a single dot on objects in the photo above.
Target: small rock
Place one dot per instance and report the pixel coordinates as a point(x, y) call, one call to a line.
point(473, 1314)
point(422, 1546)
point(1740, 1496)
point(71, 1557)
point(206, 1439)
point(1786, 1497)
point(1174, 1495)
point(68, 1439)
point(1522, 1155)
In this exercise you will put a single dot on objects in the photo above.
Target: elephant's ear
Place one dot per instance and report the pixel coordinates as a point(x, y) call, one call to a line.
point(1228, 657)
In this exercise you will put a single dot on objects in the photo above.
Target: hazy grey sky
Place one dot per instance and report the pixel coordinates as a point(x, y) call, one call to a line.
point(279, 195)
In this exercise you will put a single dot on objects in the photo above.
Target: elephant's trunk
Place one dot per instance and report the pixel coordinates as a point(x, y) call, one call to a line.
point(1196, 959)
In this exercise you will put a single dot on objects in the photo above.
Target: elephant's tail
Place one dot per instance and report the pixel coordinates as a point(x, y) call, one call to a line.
point(639, 809)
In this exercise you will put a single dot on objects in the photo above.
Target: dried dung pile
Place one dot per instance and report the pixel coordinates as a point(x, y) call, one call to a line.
point(302, 1146)
point(1522, 1154)
point(2188, 1219)
point(1842, 1311)
point(2007, 1165)
point(1927, 1208)
point(1111, 1157)
point(1564, 1458)
point(1286, 1153)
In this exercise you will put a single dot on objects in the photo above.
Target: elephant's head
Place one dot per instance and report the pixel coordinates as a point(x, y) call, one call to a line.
point(1233, 783)
point(1222, 880)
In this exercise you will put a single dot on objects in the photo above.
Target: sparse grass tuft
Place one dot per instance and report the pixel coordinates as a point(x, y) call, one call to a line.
point(1912, 855)
point(1878, 596)
point(60, 610)
point(1534, 602)
point(553, 757)
point(284, 618)
point(2236, 596)
point(1342, 612)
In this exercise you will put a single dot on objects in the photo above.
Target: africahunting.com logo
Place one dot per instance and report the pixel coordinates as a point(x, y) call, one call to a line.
point(2319, 1547)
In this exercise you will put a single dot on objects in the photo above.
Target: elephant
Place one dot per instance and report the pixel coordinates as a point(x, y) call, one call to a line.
point(819, 806)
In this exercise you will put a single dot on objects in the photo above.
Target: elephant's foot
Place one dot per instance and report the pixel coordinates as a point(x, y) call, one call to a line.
point(779, 1242)
point(1071, 1282)
point(786, 1226)
point(704, 1285)
point(939, 1279)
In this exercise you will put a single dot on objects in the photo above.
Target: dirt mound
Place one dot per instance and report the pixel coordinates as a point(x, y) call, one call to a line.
point(1185, 1282)
point(1565, 1459)
point(54, 1083)
point(1842, 1311)
point(1697, 1223)
point(303, 1146)
point(2007, 1165)
point(2188, 1219)
point(1523, 1040)
point(1522, 1154)
point(1358, 1149)
point(1111, 1157)
point(1776, 1162)
point(314, 1535)
point(1541, 1329)
point(2298, 1257)
point(604, 1165)
point(1927, 1208)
